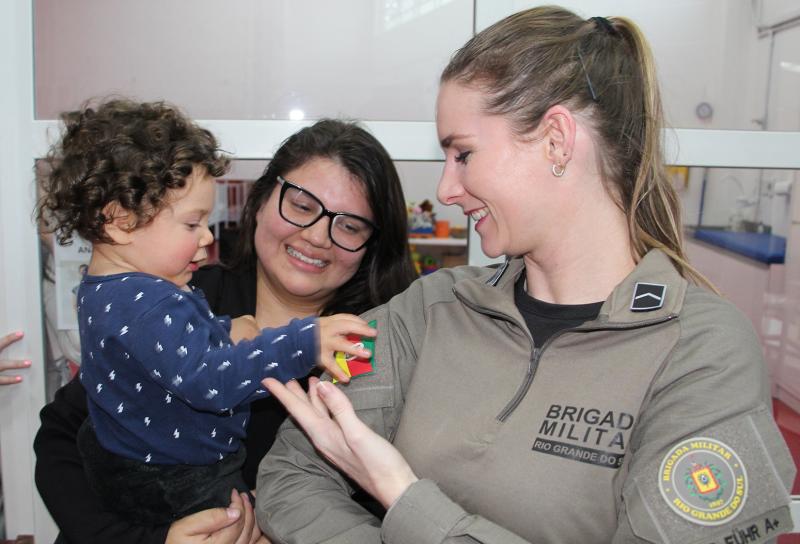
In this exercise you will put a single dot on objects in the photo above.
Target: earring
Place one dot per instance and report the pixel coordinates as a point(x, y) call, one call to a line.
point(558, 171)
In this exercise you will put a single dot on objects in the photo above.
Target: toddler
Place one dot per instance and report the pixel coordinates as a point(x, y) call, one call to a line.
point(168, 384)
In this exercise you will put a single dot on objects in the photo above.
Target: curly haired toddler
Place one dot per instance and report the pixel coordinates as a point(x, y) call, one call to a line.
point(168, 384)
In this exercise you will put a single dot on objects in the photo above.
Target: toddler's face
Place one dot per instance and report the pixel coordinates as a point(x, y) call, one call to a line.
point(173, 245)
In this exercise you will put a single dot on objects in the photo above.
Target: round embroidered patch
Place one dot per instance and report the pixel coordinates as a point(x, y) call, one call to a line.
point(704, 481)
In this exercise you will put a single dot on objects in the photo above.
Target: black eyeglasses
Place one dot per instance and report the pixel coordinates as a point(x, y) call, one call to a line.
point(302, 209)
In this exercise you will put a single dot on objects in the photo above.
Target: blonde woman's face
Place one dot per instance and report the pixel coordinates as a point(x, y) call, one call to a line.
point(496, 178)
point(303, 262)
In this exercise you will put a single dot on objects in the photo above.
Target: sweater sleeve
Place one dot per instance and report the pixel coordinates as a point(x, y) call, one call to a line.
point(59, 466)
point(191, 355)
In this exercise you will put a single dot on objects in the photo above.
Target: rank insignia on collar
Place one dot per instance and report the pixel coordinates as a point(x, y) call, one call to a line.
point(647, 296)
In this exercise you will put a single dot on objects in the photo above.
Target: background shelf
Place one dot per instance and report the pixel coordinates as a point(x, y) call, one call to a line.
point(454, 242)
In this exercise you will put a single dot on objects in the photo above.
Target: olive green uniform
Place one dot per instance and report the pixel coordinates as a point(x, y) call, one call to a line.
point(651, 423)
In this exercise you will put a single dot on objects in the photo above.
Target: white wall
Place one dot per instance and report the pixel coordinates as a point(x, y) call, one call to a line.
point(20, 301)
point(775, 11)
point(381, 59)
point(250, 59)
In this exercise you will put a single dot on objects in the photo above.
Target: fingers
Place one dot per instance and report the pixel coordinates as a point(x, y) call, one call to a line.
point(347, 323)
point(293, 398)
point(344, 344)
point(247, 535)
point(329, 364)
point(9, 339)
point(231, 533)
point(7, 364)
point(257, 537)
point(202, 524)
point(216, 519)
point(340, 408)
point(313, 395)
point(6, 341)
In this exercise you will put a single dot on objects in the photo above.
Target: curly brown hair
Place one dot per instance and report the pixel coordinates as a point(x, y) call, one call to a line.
point(122, 152)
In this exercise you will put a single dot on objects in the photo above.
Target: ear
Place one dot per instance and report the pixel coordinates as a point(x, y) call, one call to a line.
point(559, 134)
point(119, 223)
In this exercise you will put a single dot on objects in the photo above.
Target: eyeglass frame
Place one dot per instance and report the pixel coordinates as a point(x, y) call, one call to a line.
point(325, 212)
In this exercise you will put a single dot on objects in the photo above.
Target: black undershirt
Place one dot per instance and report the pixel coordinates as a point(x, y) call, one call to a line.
point(545, 319)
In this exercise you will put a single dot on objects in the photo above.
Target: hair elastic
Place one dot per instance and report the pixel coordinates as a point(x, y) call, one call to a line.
point(604, 24)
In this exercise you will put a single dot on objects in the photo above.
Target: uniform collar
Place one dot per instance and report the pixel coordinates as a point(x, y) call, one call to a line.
point(655, 269)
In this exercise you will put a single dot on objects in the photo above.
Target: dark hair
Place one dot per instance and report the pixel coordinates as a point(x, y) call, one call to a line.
point(120, 151)
point(603, 68)
point(386, 268)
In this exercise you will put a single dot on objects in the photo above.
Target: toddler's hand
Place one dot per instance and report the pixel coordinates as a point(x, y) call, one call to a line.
point(333, 331)
point(244, 328)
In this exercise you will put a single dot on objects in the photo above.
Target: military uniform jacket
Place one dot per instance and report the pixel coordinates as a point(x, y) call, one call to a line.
point(651, 423)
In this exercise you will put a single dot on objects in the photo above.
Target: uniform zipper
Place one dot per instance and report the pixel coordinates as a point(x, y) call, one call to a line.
point(536, 356)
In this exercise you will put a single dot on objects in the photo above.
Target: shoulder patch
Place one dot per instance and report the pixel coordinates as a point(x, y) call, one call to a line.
point(726, 484)
point(704, 481)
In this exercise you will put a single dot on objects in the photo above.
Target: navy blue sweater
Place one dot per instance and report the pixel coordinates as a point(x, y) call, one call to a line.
point(164, 381)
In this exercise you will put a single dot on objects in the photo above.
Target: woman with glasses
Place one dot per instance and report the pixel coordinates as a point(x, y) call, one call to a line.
point(591, 389)
point(323, 231)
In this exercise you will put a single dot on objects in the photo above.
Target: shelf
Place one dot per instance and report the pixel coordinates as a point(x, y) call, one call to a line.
point(453, 242)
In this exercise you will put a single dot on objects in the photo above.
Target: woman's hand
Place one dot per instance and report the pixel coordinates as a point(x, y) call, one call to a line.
point(328, 418)
point(233, 525)
point(7, 364)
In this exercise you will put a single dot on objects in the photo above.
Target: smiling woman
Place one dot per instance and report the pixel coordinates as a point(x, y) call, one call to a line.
point(346, 170)
point(586, 362)
point(305, 260)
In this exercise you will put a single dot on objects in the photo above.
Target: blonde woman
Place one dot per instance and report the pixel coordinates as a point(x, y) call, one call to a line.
point(591, 389)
